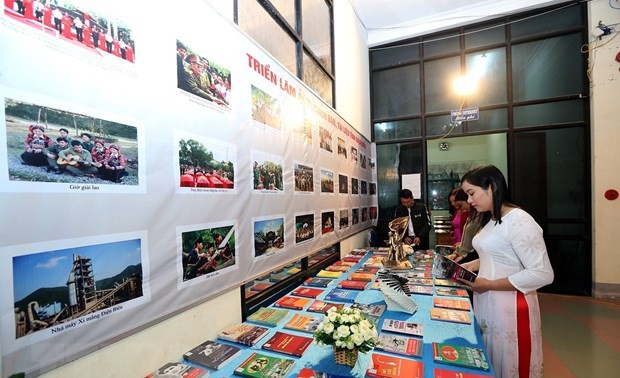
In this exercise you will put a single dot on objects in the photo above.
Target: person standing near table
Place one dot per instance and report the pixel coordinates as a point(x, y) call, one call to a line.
point(513, 264)
point(419, 223)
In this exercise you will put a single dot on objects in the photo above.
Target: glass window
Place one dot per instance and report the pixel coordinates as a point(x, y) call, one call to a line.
point(441, 44)
point(410, 128)
point(484, 35)
point(316, 79)
point(396, 92)
point(258, 24)
point(494, 119)
point(489, 70)
point(394, 56)
point(286, 9)
point(549, 113)
point(317, 30)
point(567, 229)
point(547, 68)
point(441, 126)
point(438, 78)
point(550, 22)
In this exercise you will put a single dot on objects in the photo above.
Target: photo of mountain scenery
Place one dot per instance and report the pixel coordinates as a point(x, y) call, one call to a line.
point(50, 289)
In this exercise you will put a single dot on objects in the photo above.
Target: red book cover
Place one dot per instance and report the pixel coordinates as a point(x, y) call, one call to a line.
point(353, 285)
point(307, 292)
point(448, 315)
point(456, 304)
point(338, 268)
point(292, 302)
point(260, 286)
point(294, 345)
point(323, 307)
point(451, 292)
point(443, 373)
point(354, 259)
point(360, 276)
point(346, 263)
point(384, 366)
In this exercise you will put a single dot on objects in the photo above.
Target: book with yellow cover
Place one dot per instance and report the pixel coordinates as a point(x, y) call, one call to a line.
point(447, 315)
point(359, 276)
point(295, 303)
point(328, 274)
point(304, 323)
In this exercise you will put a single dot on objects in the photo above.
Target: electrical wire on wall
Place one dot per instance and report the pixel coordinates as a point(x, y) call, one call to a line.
point(588, 48)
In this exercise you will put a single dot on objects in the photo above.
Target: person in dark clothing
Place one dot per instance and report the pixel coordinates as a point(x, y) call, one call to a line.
point(419, 222)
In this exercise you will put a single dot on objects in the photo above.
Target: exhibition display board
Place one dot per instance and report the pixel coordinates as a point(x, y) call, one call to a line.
point(205, 163)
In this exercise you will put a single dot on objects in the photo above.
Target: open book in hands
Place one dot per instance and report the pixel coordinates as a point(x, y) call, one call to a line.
point(445, 268)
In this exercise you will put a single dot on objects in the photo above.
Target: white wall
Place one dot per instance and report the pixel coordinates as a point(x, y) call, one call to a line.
point(605, 113)
point(139, 354)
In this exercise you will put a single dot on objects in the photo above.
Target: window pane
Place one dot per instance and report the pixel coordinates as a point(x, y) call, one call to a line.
point(392, 56)
point(546, 23)
point(551, 173)
point(286, 9)
point(258, 24)
point(441, 44)
point(567, 229)
point(547, 68)
point(440, 125)
point(490, 67)
point(438, 78)
point(397, 130)
point(396, 92)
point(317, 30)
point(496, 119)
point(550, 113)
point(484, 35)
point(316, 79)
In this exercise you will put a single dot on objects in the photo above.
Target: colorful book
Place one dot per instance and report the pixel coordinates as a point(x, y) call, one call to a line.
point(462, 356)
point(268, 315)
point(418, 289)
point(404, 327)
point(178, 369)
point(327, 274)
point(455, 304)
point(287, 343)
point(309, 373)
point(446, 282)
point(260, 365)
point(250, 294)
point(408, 346)
point(277, 277)
point(451, 292)
point(443, 373)
point(384, 366)
point(443, 267)
point(345, 263)
point(294, 303)
point(375, 310)
point(260, 286)
point(338, 268)
point(243, 333)
point(375, 285)
point(294, 270)
point(362, 276)
point(307, 292)
point(323, 307)
point(420, 275)
point(212, 354)
point(448, 315)
point(367, 269)
point(317, 282)
point(420, 281)
point(352, 258)
point(342, 295)
point(353, 285)
point(304, 323)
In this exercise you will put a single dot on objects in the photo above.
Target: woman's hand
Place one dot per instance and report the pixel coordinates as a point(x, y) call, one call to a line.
point(481, 285)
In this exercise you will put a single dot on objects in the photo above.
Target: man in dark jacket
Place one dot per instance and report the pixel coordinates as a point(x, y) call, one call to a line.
point(419, 223)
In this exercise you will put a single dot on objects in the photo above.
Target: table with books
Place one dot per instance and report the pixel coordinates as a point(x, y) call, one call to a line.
point(440, 338)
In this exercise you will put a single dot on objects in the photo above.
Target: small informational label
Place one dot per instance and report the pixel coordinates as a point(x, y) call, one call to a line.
point(472, 114)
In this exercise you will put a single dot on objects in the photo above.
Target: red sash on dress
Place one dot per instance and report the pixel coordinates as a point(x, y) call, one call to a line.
point(524, 338)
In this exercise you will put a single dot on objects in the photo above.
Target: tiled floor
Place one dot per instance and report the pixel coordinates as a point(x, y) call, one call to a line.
point(581, 336)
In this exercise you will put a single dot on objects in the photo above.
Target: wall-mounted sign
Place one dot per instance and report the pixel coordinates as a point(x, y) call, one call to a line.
point(471, 114)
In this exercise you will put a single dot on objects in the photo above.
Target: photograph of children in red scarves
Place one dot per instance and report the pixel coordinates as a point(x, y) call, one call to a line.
point(206, 165)
point(266, 109)
point(304, 228)
point(52, 145)
point(201, 77)
point(53, 288)
point(327, 181)
point(327, 222)
point(304, 178)
point(267, 174)
point(78, 22)
point(206, 251)
point(268, 236)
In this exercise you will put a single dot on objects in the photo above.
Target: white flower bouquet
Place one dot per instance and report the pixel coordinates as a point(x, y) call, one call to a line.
point(347, 328)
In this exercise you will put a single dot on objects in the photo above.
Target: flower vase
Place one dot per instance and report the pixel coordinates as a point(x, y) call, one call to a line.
point(344, 356)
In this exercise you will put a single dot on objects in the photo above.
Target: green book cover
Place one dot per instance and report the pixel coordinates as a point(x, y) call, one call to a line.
point(457, 355)
point(268, 315)
point(261, 365)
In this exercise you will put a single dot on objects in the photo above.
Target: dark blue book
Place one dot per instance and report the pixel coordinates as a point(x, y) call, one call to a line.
point(341, 295)
point(317, 282)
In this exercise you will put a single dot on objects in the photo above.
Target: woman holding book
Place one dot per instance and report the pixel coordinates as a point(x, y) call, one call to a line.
point(513, 264)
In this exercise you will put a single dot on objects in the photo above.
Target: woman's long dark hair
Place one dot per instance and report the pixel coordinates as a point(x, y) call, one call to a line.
point(490, 176)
